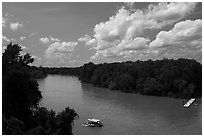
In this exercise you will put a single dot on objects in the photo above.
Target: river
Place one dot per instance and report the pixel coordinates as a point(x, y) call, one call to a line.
point(121, 113)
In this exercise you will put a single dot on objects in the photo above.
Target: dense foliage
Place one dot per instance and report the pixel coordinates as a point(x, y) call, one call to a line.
point(21, 97)
point(37, 72)
point(176, 78)
point(61, 71)
point(42, 122)
point(20, 91)
point(180, 78)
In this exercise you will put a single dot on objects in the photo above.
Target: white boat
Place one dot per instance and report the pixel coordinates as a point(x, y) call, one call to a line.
point(92, 122)
point(189, 102)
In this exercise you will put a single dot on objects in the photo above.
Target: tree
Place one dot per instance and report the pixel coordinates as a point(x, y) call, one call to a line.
point(26, 59)
point(20, 95)
point(87, 71)
point(48, 123)
point(65, 121)
point(123, 82)
point(153, 87)
point(11, 55)
point(12, 126)
point(19, 90)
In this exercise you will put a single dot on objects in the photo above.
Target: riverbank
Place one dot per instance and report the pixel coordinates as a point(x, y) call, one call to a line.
point(180, 78)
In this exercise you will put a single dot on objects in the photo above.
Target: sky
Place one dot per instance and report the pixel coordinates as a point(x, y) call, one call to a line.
point(65, 34)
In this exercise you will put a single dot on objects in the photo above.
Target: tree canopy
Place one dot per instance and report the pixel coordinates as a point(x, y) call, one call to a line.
point(180, 78)
point(20, 91)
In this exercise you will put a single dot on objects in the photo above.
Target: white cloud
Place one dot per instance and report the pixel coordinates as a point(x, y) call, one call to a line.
point(54, 39)
point(63, 47)
point(36, 58)
point(45, 40)
point(184, 40)
point(127, 25)
point(49, 40)
point(184, 31)
point(123, 34)
point(60, 51)
point(134, 44)
point(3, 49)
point(170, 12)
point(5, 39)
point(22, 38)
point(15, 26)
point(126, 48)
point(85, 38)
point(23, 47)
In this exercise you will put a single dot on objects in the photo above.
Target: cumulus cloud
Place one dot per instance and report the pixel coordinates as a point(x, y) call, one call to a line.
point(183, 40)
point(45, 40)
point(185, 31)
point(125, 48)
point(15, 26)
point(60, 51)
point(85, 38)
point(54, 39)
point(5, 39)
point(88, 41)
point(48, 40)
point(126, 25)
point(170, 12)
point(123, 34)
point(63, 47)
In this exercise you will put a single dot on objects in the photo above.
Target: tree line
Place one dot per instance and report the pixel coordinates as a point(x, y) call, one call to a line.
point(181, 78)
point(21, 112)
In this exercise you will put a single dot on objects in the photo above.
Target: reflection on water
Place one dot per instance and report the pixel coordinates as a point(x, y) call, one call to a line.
point(121, 113)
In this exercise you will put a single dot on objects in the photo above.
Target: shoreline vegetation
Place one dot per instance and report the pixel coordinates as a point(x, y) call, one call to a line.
point(21, 113)
point(180, 78)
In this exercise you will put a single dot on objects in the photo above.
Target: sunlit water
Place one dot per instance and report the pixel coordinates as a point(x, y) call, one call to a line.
point(121, 113)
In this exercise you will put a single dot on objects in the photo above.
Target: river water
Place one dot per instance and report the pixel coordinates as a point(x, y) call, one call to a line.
point(121, 113)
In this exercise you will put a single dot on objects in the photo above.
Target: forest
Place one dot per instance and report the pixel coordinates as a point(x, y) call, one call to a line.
point(21, 112)
point(181, 78)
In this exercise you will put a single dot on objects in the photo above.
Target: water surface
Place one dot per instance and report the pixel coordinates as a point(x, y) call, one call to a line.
point(121, 113)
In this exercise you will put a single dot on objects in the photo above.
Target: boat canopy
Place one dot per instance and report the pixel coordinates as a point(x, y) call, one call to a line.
point(189, 102)
point(93, 120)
